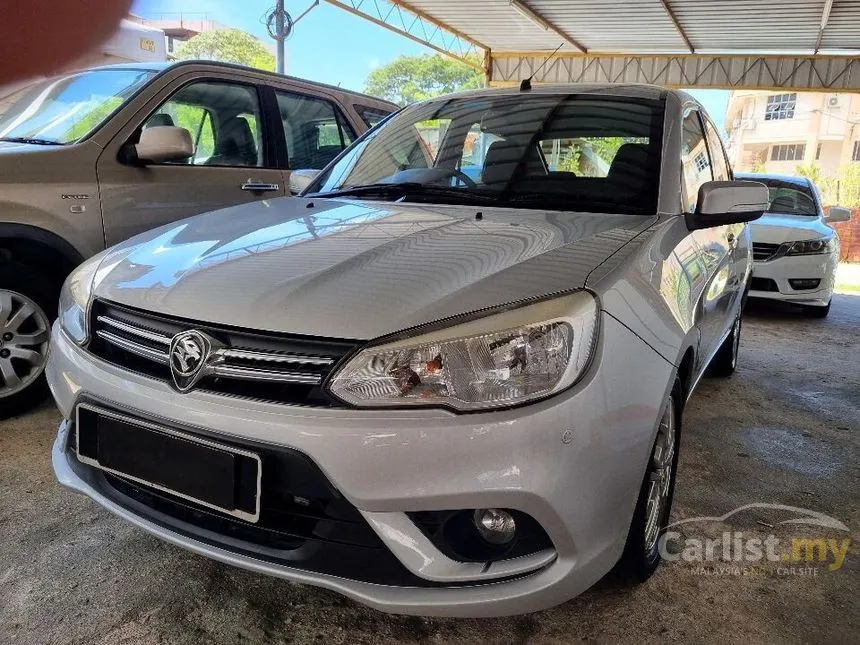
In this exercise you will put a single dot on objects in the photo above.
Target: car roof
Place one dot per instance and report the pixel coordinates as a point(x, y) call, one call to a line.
point(160, 67)
point(787, 179)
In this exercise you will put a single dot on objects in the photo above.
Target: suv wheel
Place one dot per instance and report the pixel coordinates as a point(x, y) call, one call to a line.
point(27, 306)
point(641, 553)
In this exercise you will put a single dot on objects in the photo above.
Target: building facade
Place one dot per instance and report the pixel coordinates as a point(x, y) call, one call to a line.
point(777, 131)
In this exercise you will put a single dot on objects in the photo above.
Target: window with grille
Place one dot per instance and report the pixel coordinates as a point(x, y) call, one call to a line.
point(856, 155)
point(788, 152)
point(701, 162)
point(780, 106)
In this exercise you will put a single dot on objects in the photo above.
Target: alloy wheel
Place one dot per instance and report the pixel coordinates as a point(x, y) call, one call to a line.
point(660, 476)
point(24, 336)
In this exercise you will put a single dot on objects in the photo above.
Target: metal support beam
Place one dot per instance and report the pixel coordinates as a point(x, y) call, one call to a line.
point(527, 12)
point(825, 16)
point(831, 73)
point(678, 26)
point(408, 21)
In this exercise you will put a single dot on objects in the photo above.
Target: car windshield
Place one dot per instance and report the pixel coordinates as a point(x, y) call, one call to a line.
point(66, 109)
point(576, 152)
point(788, 198)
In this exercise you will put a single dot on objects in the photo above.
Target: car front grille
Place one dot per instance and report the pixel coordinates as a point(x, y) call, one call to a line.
point(763, 252)
point(257, 365)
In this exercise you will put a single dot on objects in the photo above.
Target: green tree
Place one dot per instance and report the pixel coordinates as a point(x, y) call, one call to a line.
point(827, 185)
point(228, 46)
point(849, 186)
point(413, 78)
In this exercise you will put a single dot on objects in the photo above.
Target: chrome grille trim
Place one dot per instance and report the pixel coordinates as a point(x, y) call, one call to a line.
point(764, 252)
point(135, 348)
point(259, 374)
point(252, 364)
point(251, 355)
point(135, 331)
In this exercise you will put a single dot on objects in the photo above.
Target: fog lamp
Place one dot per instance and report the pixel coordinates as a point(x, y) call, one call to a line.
point(496, 526)
point(799, 284)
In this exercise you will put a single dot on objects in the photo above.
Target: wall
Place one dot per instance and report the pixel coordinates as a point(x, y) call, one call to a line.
point(849, 238)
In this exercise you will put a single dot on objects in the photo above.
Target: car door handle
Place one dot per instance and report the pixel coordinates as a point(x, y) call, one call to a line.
point(259, 186)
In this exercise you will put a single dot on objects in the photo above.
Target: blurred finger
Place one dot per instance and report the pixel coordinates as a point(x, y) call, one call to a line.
point(39, 37)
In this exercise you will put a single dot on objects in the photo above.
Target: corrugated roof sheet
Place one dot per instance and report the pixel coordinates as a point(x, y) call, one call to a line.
point(645, 26)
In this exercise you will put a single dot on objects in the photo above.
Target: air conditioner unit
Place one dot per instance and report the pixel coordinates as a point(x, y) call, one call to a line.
point(834, 101)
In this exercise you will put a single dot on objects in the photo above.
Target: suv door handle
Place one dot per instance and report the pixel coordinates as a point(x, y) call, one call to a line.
point(259, 186)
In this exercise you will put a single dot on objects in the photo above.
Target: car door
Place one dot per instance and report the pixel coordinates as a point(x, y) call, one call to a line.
point(315, 129)
point(736, 236)
point(234, 159)
point(713, 258)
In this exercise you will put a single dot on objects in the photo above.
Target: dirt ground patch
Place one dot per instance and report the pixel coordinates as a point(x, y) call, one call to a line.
point(784, 430)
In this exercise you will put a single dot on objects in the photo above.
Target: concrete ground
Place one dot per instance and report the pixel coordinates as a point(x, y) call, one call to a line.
point(785, 429)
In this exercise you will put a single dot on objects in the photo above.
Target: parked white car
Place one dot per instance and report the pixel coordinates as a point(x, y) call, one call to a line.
point(795, 251)
point(432, 393)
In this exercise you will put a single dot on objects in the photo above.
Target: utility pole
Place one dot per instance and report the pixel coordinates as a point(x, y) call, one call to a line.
point(281, 36)
point(280, 25)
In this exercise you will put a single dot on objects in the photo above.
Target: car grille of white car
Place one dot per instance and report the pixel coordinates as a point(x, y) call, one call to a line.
point(252, 364)
point(762, 252)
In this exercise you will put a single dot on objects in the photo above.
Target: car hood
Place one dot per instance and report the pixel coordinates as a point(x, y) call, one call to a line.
point(355, 269)
point(774, 228)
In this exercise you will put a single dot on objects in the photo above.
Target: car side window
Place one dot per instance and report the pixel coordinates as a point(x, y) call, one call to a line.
point(371, 116)
point(315, 130)
point(718, 155)
point(695, 161)
point(223, 119)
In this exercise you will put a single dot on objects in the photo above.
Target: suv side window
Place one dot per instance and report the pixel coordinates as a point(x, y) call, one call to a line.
point(695, 161)
point(224, 121)
point(315, 130)
point(371, 116)
point(718, 155)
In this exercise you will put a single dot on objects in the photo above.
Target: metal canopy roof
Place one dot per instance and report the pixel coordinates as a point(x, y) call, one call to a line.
point(802, 44)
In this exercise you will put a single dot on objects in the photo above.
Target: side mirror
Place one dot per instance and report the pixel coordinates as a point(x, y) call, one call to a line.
point(160, 143)
point(301, 179)
point(837, 214)
point(728, 202)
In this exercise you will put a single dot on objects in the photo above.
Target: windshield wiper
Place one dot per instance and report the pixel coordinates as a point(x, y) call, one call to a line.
point(411, 190)
point(36, 141)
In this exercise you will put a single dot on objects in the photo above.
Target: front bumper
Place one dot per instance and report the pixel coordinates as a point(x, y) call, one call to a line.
point(574, 463)
point(785, 268)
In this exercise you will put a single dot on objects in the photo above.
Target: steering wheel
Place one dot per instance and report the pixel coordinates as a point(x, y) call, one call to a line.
point(459, 174)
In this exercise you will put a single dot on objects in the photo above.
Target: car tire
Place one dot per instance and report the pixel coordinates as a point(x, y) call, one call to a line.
point(641, 555)
point(725, 361)
point(28, 304)
point(817, 312)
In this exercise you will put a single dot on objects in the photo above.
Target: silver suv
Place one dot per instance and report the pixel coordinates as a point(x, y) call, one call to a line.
point(90, 158)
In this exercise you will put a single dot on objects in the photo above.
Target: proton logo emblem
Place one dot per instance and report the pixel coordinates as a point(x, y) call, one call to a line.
point(190, 353)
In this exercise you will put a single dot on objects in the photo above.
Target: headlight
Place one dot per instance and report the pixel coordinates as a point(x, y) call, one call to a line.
point(811, 247)
point(75, 298)
point(498, 360)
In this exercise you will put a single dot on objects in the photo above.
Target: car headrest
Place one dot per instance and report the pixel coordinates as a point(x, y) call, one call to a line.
point(159, 119)
point(235, 144)
point(501, 163)
point(630, 167)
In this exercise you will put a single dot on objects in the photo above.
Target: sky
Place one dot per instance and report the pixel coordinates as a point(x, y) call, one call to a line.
point(332, 46)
